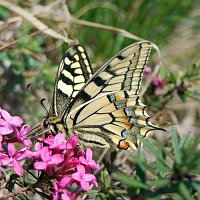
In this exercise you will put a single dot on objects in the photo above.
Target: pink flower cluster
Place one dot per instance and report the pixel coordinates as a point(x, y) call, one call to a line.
point(158, 84)
point(11, 132)
point(66, 163)
point(63, 161)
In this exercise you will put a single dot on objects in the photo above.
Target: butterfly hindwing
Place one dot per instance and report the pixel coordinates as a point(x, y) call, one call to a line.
point(73, 72)
point(115, 118)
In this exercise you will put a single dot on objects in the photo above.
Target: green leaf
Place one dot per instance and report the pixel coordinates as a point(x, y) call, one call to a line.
point(196, 186)
point(187, 142)
point(184, 191)
point(177, 150)
point(192, 72)
point(4, 12)
point(172, 78)
point(119, 192)
point(105, 179)
point(156, 152)
point(193, 94)
point(140, 164)
point(92, 192)
point(159, 183)
point(25, 176)
point(124, 178)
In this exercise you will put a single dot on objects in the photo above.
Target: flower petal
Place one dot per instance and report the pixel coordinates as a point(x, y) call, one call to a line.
point(21, 154)
point(46, 154)
point(73, 140)
point(4, 159)
point(65, 181)
point(93, 164)
point(11, 149)
point(5, 115)
point(16, 121)
point(88, 177)
point(94, 183)
point(5, 130)
point(49, 140)
point(1, 139)
point(55, 195)
point(55, 160)
point(67, 196)
point(85, 186)
point(27, 142)
point(81, 170)
point(88, 154)
point(76, 176)
point(24, 130)
point(17, 167)
point(40, 165)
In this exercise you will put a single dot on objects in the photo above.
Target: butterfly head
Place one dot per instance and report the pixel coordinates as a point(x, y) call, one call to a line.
point(48, 126)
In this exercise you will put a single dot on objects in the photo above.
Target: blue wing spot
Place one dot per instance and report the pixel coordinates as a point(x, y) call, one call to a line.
point(117, 106)
point(127, 112)
point(131, 119)
point(111, 97)
point(124, 133)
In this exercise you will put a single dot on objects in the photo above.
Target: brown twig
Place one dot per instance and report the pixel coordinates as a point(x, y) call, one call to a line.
point(12, 194)
point(107, 28)
point(34, 21)
point(20, 39)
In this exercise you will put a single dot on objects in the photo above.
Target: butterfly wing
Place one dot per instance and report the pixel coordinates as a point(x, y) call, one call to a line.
point(107, 110)
point(123, 72)
point(73, 72)
point(115, 118)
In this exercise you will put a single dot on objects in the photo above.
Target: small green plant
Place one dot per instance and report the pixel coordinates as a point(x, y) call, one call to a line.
point(174, 173)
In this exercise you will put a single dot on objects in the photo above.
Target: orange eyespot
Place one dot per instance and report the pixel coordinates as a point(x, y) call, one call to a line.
point(123, 144)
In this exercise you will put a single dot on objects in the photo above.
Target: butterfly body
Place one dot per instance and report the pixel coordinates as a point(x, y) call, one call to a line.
point(104, 108)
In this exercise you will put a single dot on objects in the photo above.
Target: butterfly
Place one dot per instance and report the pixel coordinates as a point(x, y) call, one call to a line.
point(104, 108)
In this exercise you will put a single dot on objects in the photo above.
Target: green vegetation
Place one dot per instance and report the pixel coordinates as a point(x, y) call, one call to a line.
point(168, 164)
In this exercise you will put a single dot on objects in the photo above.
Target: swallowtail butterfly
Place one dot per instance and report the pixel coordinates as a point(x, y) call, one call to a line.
point(102, 108)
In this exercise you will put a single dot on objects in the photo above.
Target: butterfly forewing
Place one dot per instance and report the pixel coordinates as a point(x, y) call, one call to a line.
point(73, 72)
point(123, 72)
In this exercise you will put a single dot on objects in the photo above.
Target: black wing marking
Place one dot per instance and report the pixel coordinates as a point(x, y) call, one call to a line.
point(123, 72)
point(111, 119)
point(73, 72)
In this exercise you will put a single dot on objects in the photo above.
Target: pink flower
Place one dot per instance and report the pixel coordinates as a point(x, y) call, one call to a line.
point(4, 160)
point(14, 121)
point(147, 70)
point(37, 153)
point(48, 160)
point(147, 73)
point(82, 177)
point(73, 141)
point(21, 135)
point(65, 162)
point(159, 86)
point(15, 157)
point(57, 142)
point(60, 189)
point(1, 139)
point(87, 160)
point(5, 128)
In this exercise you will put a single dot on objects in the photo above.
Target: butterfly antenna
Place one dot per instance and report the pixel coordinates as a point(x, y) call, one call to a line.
point(42, 103)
